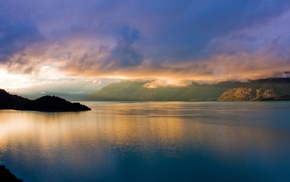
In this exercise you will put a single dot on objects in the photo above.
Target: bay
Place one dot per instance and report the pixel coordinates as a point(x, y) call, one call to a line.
point(150, 141)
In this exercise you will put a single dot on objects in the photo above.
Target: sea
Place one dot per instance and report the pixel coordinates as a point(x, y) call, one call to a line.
point(149, 141)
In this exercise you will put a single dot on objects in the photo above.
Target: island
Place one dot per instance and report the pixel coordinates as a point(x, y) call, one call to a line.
point(43, 104)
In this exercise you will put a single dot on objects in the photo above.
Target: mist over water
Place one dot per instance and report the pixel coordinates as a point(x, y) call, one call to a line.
point(150, 141)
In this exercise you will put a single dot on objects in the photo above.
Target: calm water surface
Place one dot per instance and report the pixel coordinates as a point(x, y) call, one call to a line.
point(150, 141)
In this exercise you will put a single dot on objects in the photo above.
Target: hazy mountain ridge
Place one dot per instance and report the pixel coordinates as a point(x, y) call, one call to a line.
point(263, 89)
point(135, 91)
point(46, 103)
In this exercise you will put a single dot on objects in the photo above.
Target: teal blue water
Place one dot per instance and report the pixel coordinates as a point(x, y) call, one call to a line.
point(150, 141)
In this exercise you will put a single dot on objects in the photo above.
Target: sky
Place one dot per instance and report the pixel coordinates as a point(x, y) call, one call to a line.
point(78, 47)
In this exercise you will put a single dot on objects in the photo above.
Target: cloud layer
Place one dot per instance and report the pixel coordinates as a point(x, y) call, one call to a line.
point(180, 39)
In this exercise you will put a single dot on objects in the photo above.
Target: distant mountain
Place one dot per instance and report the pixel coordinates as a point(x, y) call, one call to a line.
point(255, 90)
point(136, 91)
point(46, 103)
point(259, 90)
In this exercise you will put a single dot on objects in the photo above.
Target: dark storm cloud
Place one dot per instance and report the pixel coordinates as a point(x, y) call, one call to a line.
point(187, 31)
point(16, 36)
point(114, 35)
point(124, 54)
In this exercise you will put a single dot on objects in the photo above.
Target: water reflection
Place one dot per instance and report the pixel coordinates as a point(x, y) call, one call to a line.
point(114, 140)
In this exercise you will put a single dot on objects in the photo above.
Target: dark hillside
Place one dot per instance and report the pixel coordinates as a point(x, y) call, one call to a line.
point(8, 101)
point(46, 103)
point(52, 104)
point(7, 176)
point(262, 89)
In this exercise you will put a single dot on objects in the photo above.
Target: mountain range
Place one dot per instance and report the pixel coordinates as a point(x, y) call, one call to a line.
point(271, 89)
point(254, 90)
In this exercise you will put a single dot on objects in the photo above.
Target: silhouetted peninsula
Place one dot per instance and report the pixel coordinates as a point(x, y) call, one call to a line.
point(45, 104)
point(52, 104)
point(6, 175)
point(9, 101)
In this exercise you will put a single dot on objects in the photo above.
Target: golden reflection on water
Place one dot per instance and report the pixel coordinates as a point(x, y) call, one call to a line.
point(125, 125)
point(48, 130)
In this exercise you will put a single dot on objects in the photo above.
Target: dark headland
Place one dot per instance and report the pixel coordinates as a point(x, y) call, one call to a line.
point(7, 176)
point(45, 104)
